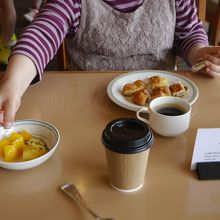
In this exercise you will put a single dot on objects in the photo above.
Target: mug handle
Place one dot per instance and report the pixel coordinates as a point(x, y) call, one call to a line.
point(142, 110)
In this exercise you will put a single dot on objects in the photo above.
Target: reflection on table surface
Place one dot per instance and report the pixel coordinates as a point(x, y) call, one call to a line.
point(78, 105)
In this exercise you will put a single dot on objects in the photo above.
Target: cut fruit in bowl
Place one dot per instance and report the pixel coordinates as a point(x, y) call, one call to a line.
point(27, 144)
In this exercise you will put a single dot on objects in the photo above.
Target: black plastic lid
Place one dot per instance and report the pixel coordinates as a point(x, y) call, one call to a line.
point(127, 135)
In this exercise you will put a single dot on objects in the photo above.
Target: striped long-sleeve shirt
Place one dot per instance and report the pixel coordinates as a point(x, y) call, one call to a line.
point(60, 18)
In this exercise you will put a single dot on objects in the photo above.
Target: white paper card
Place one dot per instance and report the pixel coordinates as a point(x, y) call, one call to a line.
point(207, 146)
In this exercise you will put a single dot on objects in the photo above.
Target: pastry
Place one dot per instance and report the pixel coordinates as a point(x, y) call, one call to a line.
point(160, 91)
point(140, 84)
point(141, 97)
point(198, 66)
point(177, 89)
point(157, 81)
point(130, 88)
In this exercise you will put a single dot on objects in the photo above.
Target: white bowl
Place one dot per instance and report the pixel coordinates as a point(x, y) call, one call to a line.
point(42, 129)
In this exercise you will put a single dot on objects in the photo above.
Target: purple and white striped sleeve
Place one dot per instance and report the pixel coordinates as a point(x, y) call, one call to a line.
point(42, 38)
point(189, 29)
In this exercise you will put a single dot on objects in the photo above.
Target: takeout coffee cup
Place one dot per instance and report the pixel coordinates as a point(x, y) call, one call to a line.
point(127, 144)
point(168, 116)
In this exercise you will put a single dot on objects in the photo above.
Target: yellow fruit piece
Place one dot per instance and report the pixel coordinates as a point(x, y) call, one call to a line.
point(19, 144)
point(2, 144)
point(31, 152)
point(15, 136)
point(11, 153)
point(25, 135)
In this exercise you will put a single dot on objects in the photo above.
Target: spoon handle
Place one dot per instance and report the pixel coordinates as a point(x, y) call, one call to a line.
point(72, 191)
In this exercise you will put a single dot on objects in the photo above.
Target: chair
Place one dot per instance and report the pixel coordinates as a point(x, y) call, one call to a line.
point(63, 57)
point(201, 9)
point(213, 18)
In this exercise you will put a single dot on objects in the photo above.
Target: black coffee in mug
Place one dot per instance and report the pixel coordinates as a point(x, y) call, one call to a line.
point(170, 110)
point(168, 116)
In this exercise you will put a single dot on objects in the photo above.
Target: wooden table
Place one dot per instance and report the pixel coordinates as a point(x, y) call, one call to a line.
point(78, 105)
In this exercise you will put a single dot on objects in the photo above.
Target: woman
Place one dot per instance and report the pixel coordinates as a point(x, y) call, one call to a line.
point(105, 34)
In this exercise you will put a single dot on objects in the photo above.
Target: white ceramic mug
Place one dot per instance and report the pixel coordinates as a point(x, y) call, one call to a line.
point(168, 116)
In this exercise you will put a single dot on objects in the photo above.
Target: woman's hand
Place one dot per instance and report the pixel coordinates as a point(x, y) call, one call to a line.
point(18, 76)
point(212, 57)
point(9, 104)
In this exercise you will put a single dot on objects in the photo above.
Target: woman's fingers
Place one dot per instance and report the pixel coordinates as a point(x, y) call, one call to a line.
point(10, 109)
point(213, 64)
point(1, 117)
point(215, 59)
point(212, 73)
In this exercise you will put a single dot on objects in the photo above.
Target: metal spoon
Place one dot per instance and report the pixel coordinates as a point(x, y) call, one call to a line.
point(72, 191)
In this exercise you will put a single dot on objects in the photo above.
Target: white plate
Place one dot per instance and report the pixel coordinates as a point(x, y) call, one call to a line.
point(115, 86)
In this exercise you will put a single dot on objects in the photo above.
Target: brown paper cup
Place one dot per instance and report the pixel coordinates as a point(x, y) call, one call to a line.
point(127, 171)
point(127, 144)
